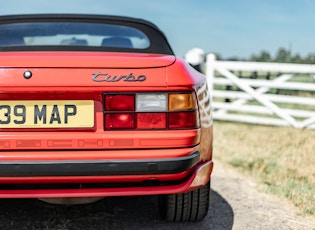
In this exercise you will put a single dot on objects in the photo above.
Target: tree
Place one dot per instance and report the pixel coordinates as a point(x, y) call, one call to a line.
point(264, 56)
point(310, 59)
point(283, 55)
point(297, 59)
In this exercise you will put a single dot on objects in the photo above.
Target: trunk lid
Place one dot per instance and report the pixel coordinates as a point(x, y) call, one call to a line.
point(82, 69)
point(83, 60)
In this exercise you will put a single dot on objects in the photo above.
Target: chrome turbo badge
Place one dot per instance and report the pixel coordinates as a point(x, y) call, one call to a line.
point(105, 77)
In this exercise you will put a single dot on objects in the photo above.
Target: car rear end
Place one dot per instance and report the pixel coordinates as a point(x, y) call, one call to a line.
point(79, 121)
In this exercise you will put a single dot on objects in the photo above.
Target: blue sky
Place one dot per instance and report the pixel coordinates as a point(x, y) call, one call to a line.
point(229, 27)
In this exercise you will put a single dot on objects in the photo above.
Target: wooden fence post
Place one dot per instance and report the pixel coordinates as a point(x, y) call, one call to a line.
point(210, 63)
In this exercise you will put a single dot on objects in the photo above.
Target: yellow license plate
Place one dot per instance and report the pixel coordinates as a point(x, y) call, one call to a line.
point(47, 114)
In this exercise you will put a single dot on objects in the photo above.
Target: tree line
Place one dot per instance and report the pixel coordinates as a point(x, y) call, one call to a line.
point(283, 55)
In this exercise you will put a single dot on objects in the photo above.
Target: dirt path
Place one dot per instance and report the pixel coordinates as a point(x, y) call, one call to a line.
point(253, 209)
point(235, 204)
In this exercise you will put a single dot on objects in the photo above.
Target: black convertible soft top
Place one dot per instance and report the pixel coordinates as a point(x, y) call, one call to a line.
point(80, 32)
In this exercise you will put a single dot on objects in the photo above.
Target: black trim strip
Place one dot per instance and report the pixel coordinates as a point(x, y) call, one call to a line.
point(98, 167)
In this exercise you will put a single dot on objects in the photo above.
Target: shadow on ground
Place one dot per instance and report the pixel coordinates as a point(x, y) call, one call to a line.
point(111, 213)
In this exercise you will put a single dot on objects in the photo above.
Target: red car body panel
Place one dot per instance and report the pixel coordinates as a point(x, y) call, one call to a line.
point(78, 76)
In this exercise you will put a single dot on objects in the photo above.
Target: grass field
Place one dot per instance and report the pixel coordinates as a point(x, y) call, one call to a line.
point(281, 159)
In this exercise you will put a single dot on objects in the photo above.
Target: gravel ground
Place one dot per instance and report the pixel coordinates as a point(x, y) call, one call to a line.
point(235, 204)
point(253, 209)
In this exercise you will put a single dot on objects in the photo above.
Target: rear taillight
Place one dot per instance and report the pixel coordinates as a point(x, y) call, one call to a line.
point(181, 120)
point(149, 111)
point(151, 121)
point(120, 102)
point(120, 121)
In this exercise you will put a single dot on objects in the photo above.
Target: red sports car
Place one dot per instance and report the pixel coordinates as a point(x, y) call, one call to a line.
point(94, 106)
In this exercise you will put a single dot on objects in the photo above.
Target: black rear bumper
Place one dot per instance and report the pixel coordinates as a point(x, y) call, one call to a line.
point(98, 167)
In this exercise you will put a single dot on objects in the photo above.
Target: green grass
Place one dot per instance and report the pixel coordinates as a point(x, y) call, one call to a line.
point(281, 159)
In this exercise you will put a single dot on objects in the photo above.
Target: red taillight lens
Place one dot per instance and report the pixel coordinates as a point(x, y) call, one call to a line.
point(120, 121)
point(151, 121)
point(120, 102)
point(183, 120)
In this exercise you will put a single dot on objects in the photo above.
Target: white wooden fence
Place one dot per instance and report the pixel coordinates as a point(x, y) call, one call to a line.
point(283, 100)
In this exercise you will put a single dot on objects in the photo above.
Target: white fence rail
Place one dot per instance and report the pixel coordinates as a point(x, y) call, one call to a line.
point(283, 99)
